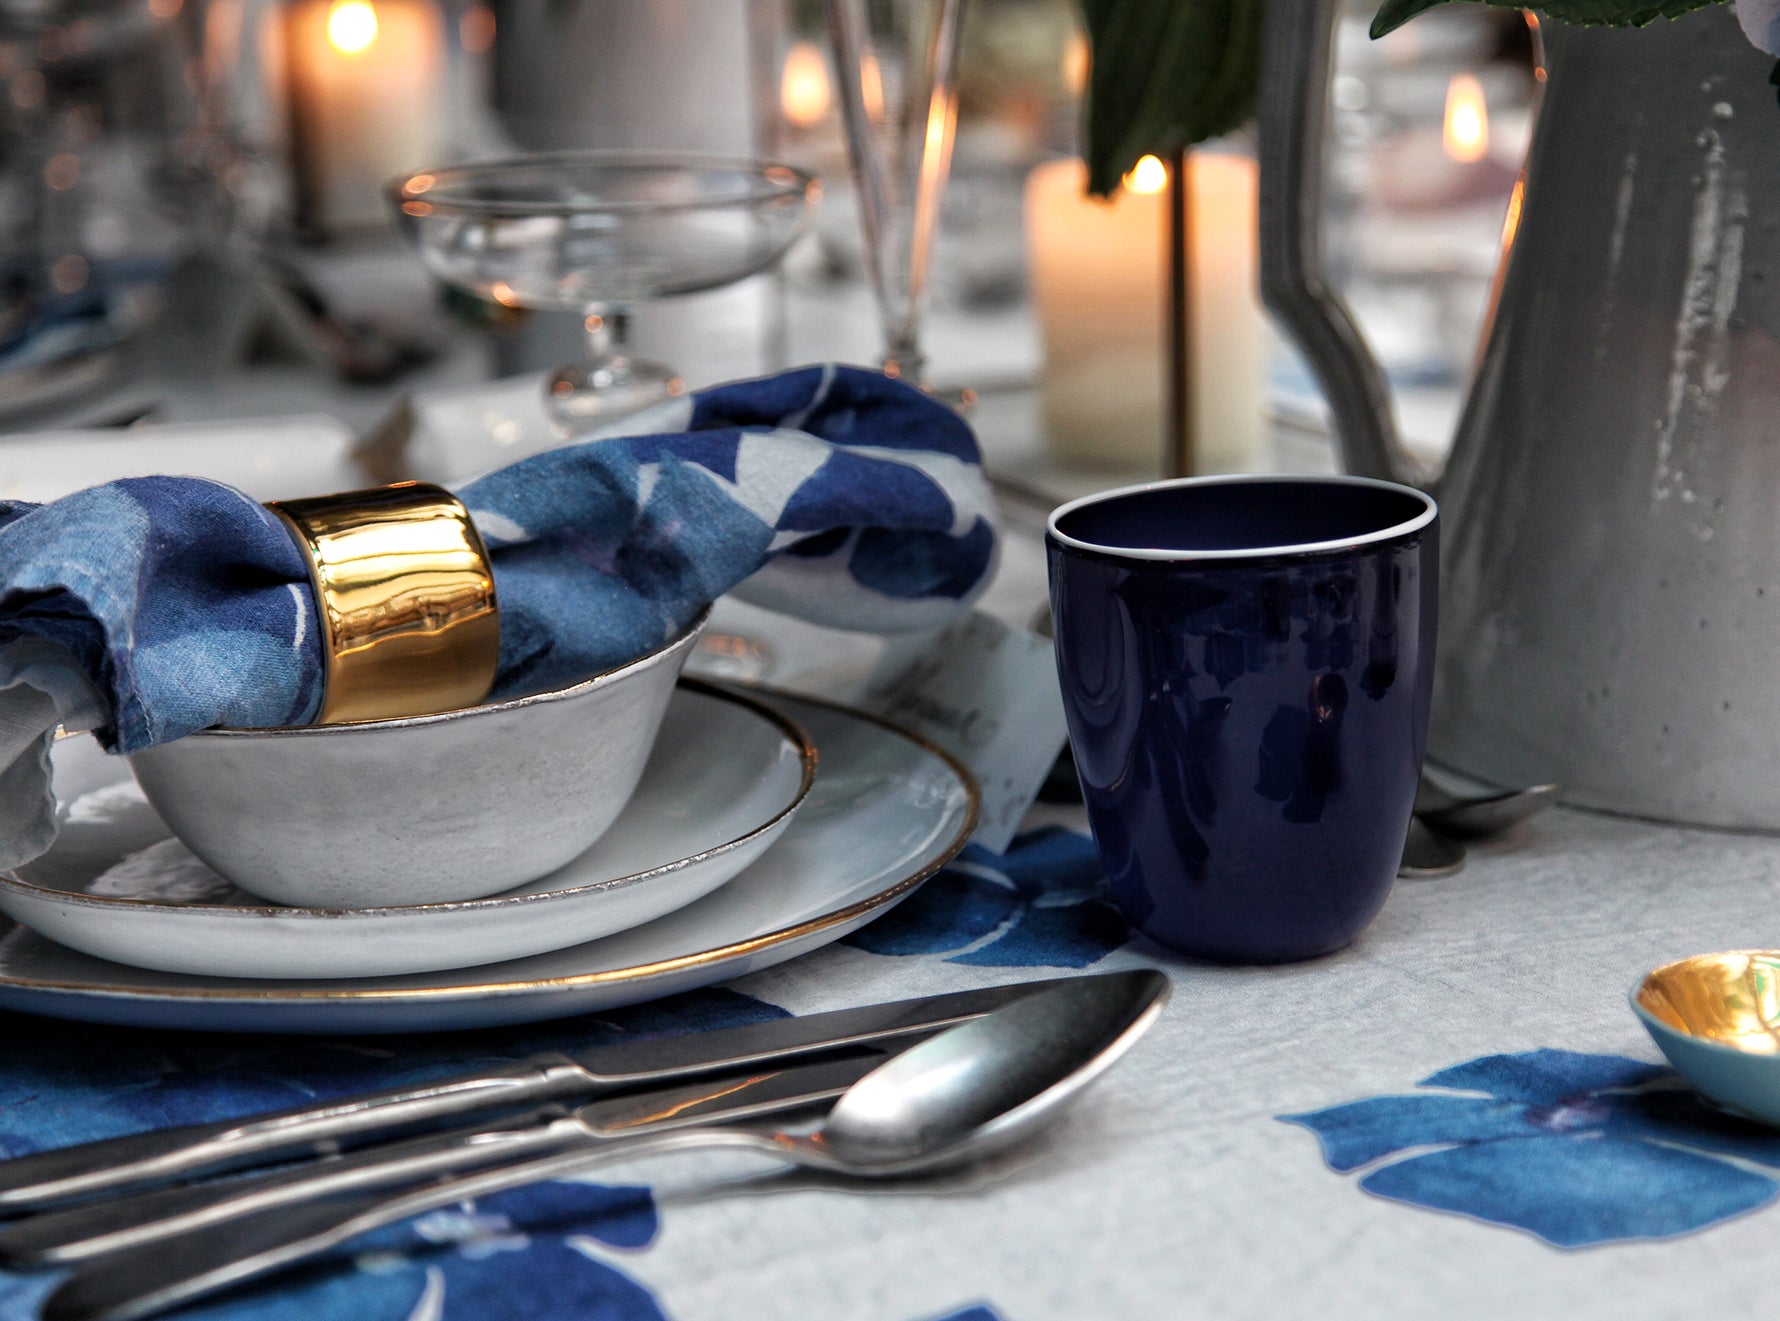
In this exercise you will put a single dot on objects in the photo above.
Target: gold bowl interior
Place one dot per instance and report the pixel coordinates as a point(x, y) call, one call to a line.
point(1732, 999)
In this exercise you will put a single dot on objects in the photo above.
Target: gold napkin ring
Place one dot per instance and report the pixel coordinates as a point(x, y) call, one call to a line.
point(405, 597)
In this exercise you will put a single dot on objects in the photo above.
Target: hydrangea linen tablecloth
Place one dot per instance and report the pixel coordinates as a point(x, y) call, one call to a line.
point(1408, 1128)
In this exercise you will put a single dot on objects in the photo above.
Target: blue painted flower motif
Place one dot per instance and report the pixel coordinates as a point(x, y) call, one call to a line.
point(529, 1255)
point(534, 1254)
point(1577, 1149)
point(1040, 904)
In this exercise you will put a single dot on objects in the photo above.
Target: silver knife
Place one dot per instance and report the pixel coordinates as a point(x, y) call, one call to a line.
point(95, 1229)
point(137, 1160)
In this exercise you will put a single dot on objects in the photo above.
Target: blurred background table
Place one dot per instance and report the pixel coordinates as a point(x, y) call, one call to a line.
point(274, 289)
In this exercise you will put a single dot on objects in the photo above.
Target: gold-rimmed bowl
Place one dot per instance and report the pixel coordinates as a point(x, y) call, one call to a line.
point(1717, 1019)
point(420, 809)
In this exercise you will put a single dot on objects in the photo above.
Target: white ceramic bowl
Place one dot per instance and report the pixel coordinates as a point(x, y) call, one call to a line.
point(420, 810)
point(725, 780)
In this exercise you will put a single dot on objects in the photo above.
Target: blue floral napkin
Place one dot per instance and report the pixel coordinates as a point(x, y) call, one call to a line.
point(153, 607)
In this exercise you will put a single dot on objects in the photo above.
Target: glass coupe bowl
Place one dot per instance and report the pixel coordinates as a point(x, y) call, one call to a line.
point(595, 232)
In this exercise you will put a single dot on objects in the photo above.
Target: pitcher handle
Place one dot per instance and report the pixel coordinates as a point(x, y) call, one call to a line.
point(1294, 108)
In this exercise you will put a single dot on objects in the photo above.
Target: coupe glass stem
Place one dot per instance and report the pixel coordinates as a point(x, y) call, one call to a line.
point(608, 332)
point(609, 383)
point(903, 358)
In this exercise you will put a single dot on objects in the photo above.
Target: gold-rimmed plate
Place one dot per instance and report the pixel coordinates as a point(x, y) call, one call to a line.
point(723, 782)
point(885, 812)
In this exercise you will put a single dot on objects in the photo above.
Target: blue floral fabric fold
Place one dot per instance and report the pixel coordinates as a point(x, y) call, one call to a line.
point(154, 607)
point(187, 604)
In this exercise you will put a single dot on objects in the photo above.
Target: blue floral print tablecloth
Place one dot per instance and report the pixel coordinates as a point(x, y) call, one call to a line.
point(1458, 1117)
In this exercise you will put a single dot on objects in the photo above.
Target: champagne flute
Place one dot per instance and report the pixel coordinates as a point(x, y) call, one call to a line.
point(896, 63)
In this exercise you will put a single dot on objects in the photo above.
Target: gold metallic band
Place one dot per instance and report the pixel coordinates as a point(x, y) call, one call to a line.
point(406, 600)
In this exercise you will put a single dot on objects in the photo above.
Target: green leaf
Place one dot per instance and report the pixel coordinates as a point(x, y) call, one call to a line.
point(1393, 14)
point(1166, 74)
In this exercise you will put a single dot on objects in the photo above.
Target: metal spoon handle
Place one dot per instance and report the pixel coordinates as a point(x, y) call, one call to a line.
point(64, 1173)
point(93, 1229)
point(177, 1270)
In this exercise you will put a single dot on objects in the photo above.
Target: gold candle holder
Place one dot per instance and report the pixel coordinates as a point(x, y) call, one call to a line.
point(405, 597)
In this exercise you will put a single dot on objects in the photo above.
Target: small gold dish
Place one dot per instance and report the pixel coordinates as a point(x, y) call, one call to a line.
point(406, 600)
point(1733, 999)
point(1717, 1018)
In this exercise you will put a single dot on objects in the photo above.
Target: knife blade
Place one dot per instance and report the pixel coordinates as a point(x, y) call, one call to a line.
point(137, 1160)
point(94, 1229)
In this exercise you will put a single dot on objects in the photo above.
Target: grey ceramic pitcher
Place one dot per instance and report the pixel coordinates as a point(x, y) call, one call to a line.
point(1610, 595)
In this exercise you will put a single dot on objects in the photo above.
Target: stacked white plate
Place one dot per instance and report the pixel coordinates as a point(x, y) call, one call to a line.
point(763, 827)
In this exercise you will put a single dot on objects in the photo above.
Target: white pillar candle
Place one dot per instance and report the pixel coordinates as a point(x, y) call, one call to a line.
point(367, 80)
point(1099, 278)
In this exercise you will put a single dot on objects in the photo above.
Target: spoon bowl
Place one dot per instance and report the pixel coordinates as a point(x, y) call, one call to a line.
point(1478, 816)
point(1717, 1019)
point(1428, 856)
point(988, 1083)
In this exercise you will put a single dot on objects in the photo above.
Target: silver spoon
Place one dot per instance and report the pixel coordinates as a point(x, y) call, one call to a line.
point(1428, 856)
point(1480, 815)
point(969, 1091)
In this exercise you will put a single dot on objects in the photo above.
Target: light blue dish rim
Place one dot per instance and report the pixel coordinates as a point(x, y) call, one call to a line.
point(1742, 1083)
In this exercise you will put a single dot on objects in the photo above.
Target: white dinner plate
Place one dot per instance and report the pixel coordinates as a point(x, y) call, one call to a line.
point(721, 785)
point(886, 812)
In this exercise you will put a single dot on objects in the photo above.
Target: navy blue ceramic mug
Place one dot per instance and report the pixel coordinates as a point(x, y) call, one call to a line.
point(1246, 666)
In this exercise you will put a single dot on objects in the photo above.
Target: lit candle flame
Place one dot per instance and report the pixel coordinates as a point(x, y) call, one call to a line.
point(1466, 135)
point(352, 26)
point(804, 93)
point(1149, 175)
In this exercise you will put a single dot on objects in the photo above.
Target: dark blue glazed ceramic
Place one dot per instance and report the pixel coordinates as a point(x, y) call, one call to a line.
point(1246, 666)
